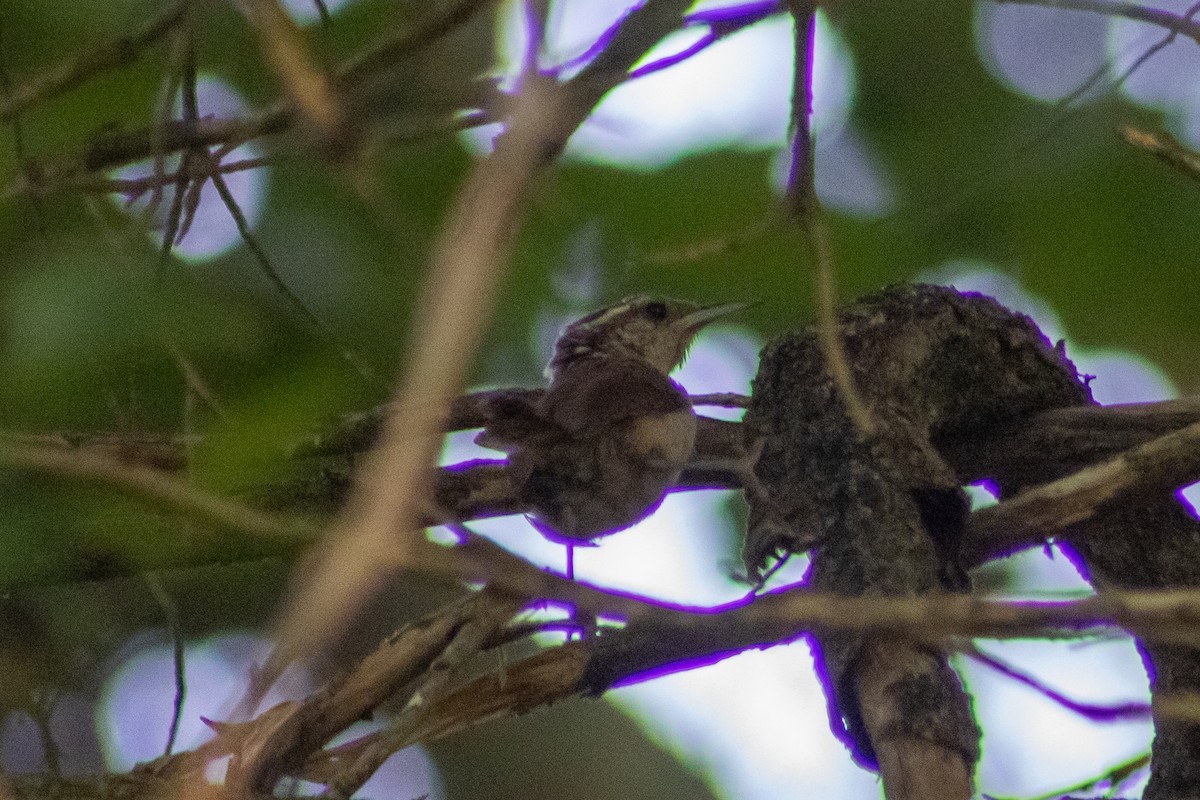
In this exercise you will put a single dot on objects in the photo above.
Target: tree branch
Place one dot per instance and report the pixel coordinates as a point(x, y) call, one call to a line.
point(310, 91)
point(1167, 149)
point(1021, 454)
point(1159, 466)
point(453, 311)
point(157, 489)
point(661, 639)
point(1164, 19)
point(802, 204)
point(108, 149)
point(83, 66)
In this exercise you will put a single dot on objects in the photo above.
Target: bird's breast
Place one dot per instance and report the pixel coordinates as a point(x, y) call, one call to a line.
point(663, 441)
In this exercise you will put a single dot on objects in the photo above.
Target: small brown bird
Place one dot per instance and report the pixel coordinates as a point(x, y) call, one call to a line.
point(612, 432)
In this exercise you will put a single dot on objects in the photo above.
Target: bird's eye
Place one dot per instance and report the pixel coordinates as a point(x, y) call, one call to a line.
point(656, 311)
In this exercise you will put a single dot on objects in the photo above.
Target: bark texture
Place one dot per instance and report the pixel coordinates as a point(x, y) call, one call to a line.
point(884, 514)
point(1136, 542)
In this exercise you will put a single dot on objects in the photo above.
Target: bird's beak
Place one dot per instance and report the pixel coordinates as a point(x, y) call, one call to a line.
point(698, 319)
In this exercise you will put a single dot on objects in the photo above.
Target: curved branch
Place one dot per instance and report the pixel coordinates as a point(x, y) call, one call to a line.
point(1164, 19)
point(157, 489)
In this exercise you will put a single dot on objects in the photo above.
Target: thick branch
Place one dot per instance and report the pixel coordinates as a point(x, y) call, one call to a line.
point(1026, 454)
point(309, 88)
point(1047, 445)
point(655, 639)
point(453, 312)
point(662, 637)
point(1159, 466)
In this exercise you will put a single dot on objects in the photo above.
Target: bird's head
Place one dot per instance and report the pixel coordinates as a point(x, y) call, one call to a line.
point(656, 330)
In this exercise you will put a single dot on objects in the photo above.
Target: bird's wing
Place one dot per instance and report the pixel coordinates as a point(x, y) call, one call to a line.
point(514, 420)
point(595, 394)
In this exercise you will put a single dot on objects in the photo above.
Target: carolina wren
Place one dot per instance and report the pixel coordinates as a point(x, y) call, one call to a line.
point(612, 432)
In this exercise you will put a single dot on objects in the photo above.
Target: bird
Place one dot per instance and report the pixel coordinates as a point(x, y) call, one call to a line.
point(598, 450)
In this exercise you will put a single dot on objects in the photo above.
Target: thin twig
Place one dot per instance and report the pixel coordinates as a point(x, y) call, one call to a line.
point(179, 47)
point(964, 190)
point(171, 614)
point(1154, 49)
point(156, 488)
point(721, 23)
point(1092, 711)
point(365, 370)
point(395, 48)
point(722, 399)
point(1114, 776)
point(176, 225)
point(1173, 22)
point(1167, 149)
point(83, 66)
point(803, 205)
point(260, 255)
